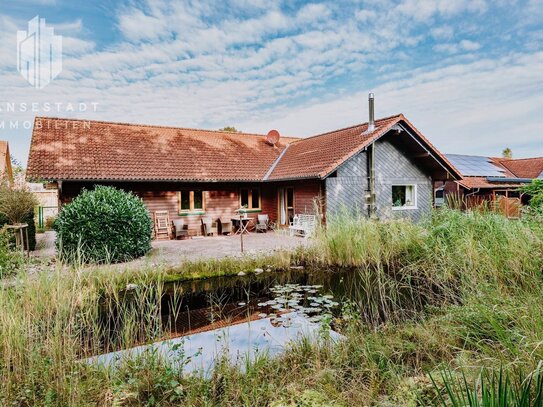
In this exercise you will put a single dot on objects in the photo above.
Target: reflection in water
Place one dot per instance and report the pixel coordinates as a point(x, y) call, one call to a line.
point(244, 315)
point(198, 352)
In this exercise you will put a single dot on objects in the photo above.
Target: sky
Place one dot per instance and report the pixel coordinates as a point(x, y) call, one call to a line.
point(467, 73)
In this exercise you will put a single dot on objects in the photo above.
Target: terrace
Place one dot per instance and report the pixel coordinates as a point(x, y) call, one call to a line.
point(173, 252)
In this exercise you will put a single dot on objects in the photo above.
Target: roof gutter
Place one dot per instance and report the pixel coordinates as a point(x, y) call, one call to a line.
point(515, 180)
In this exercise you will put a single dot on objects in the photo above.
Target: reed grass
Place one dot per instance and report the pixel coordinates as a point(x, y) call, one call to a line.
point(459, 289)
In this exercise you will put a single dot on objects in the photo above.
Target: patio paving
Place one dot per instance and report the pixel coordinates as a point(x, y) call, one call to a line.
point(176, 251)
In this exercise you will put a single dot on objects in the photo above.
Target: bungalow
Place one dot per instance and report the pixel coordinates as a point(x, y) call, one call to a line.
point(6, 172)
point(384, 168)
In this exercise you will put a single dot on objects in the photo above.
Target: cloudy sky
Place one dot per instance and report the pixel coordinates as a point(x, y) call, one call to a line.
point(467, 73)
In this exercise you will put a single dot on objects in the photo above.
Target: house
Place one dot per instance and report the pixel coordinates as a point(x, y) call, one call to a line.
point(384, 168)
point(490, 178)
point(6, 171)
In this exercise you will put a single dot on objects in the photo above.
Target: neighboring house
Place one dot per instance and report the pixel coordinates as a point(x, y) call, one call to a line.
point(491, 177)
point(385, 171)
point(6, 171)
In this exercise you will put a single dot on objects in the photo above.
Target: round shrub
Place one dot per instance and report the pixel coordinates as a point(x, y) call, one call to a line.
point(104, 225)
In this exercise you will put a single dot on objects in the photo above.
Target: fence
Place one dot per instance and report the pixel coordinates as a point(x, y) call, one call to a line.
point(45, 212)
point(509, 207)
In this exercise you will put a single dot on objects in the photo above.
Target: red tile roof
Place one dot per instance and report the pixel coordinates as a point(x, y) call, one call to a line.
point(315, 157)
point(318, 156)
point(523, 167)
point(482, 183)
point(64, 149)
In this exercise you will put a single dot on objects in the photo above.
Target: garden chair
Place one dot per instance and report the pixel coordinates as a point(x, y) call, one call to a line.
point(162, 225)
point(180, 229)
point(209, 226)
point(262, 224)
point(226, 227)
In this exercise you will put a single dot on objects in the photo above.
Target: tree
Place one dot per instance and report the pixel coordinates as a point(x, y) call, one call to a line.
point(230, 129)
point(507, 153)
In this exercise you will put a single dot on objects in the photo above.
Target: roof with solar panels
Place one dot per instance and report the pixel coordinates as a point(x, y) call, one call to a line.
point(491, 172)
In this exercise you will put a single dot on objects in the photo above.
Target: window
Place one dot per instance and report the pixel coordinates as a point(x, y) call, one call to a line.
point(250, 198)
point(191, 201)
point(404, 197)
point(439, 198)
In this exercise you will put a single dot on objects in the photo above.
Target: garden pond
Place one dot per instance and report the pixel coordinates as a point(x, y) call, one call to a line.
point(243, 317)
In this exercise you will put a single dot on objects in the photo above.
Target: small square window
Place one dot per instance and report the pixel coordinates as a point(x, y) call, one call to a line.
point(250, 198)
point(404, 197)
point(191, 201)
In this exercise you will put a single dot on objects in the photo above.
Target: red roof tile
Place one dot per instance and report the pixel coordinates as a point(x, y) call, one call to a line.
point(523, 167)
point(317, 156)
point(482, 183)
point(64, 149)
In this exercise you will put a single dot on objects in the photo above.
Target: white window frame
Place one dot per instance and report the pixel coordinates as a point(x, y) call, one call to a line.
point(415, 196)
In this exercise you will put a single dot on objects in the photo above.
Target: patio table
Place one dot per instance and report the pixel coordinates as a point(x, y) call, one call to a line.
point(243, 225)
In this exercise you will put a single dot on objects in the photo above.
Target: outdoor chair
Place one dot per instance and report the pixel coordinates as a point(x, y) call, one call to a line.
point(209, 226)
point(262, 223)
point(226, 227)
point(303, 225)
point(162, 225)
point(180, 229)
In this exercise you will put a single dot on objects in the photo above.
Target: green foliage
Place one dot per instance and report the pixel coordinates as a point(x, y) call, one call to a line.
point(230, 129)
point(103, 225)
point(492, 389)
point(474, 281)
point(16, 204)
point(535, 190)
point(10, 261)
point(507, 153)
point(28, 219)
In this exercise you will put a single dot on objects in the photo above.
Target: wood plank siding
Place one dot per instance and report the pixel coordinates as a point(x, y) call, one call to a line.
point(221, 200)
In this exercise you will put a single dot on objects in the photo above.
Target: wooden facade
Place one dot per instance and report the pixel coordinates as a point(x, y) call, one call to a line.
point(221, 200)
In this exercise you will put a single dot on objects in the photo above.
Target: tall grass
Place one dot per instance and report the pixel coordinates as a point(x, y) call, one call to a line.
point(495, 388)
point(460, 289)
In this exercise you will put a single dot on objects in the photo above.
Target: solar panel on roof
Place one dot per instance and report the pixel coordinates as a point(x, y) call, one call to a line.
point(475, 166)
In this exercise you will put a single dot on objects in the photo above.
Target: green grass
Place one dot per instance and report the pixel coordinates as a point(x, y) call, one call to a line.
point(439, 301)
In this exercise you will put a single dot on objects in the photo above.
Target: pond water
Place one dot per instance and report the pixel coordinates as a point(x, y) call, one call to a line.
point(241, 317)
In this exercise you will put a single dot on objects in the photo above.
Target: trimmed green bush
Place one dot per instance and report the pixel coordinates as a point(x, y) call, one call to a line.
point(104, 225)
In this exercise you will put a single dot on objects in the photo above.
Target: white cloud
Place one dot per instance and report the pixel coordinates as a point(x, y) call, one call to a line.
point(453, 48)
point(468, 45)
point(188, 63)
point(478, 108)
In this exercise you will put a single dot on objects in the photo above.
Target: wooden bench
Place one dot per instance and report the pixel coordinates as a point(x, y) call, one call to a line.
point(303, 225)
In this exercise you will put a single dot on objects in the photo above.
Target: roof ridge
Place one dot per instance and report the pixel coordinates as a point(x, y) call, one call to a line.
point(519, 159)
point(240, 133)
point(347, 128)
